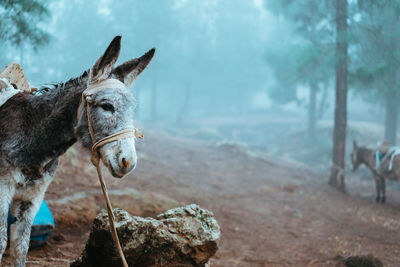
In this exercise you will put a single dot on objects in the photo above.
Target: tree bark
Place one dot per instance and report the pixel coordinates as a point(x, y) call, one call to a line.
point(390, 119)
point(185, 104)
point(312, 111)
point(339, 131)
point(322, 104)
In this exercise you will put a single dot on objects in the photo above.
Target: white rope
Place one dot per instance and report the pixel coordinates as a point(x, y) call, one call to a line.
point(340, 171)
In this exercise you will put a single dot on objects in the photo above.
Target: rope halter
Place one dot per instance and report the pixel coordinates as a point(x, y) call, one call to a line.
point(90, 91)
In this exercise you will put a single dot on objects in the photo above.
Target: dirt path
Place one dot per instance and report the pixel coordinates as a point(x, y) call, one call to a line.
point(272, 212)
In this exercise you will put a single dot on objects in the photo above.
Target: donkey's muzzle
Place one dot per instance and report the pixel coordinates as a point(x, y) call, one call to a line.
point(126, 165)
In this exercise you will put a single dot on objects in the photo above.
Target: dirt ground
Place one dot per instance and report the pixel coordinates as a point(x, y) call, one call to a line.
point(272, 212)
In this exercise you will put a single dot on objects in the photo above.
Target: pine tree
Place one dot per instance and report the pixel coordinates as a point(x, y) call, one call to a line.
point(19, 22)
point(339, 131)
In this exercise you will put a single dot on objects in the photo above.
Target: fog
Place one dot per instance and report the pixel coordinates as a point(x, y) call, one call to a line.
point(239, 64)
point(206, 51)
point(251, 95)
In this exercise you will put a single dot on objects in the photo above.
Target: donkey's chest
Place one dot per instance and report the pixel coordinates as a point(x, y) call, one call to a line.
point(28, 191)
point(27, 188)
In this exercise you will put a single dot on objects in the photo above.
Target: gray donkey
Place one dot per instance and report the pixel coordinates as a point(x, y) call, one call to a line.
point(35, 129)
point(386, 166)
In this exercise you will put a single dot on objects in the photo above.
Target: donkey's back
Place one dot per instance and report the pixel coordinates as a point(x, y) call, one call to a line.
point(390, 167)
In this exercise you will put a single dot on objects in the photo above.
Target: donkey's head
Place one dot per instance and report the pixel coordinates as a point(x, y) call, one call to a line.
point(355, 156)
point(111, 108)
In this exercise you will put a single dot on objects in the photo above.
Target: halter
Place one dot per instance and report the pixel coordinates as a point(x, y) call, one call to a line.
point(89, 91)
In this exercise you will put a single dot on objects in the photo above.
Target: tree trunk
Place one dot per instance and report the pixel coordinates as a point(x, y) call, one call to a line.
point(185, 104)
point(339, 131)
point(322, 104)
point(390, 119)
point(312, 111)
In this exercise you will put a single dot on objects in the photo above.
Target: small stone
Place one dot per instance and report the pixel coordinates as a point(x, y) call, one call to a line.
point(359, 260)
point(181, 236)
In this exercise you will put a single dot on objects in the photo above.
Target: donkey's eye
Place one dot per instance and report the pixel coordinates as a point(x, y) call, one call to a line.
point(107, 107)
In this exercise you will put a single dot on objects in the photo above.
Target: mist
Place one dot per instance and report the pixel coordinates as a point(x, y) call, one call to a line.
point(255, 79)
point(214, 59)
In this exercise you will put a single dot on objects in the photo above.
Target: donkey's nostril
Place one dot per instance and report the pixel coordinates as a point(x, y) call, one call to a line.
point(125, 163)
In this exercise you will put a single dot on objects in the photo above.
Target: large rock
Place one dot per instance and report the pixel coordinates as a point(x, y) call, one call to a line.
point(184, 236)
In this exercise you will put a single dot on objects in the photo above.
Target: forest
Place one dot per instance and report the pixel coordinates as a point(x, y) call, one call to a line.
point(280, 117)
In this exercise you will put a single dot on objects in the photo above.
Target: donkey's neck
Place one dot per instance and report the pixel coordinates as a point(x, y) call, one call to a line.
point(367, 157)
point(59, 122)
point(47, 127)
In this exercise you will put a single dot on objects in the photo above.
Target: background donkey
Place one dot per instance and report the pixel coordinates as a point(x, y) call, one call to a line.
point(363, 155)
point(37, 129)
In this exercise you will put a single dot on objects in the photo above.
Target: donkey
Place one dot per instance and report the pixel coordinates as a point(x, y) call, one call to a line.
point(35, 129)
point(387, 167)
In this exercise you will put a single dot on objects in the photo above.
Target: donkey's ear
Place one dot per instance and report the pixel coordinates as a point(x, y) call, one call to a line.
point(128, 71)
point(104, 65)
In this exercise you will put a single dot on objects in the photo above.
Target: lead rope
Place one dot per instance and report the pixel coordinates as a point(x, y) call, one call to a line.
point(96, 162)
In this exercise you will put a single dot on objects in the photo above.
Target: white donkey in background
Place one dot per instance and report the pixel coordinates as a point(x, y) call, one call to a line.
point(35, 129)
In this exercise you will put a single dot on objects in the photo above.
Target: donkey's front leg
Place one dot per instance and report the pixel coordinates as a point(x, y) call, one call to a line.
point(24, 211)
point(25, 206)
point(383, 190)
point(378, 188)
point(5, 200)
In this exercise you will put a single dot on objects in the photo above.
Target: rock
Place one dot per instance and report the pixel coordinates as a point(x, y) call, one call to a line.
point(14, 74)
point(184, 236)
point(6, 91)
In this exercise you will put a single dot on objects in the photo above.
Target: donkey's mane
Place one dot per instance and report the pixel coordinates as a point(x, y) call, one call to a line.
point(51, 88)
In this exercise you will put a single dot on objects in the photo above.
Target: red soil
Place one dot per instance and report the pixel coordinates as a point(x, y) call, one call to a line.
point(272, 212)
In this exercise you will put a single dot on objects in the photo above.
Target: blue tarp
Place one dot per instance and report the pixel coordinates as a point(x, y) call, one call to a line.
point(42, 226)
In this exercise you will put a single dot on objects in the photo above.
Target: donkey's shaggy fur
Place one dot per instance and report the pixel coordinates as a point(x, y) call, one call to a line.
point(35, 129)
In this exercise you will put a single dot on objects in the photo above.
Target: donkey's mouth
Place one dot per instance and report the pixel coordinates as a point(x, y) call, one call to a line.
point(113, 172)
